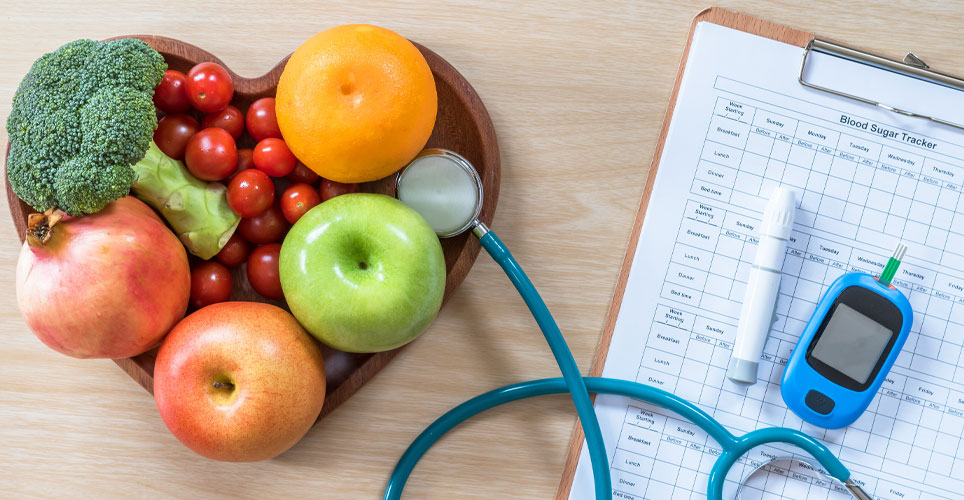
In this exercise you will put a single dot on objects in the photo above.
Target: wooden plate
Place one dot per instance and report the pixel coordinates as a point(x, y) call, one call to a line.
point(463, 126)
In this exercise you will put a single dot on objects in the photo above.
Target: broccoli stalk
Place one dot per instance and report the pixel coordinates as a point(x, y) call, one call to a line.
point(81, 116)
point(197, 210)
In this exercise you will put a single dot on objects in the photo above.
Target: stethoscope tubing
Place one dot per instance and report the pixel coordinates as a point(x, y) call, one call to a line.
point(579, 387)
point(733, 447)
point(557, 344)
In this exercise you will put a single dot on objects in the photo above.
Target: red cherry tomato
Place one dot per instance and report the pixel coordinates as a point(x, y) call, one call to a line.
point(261, 119)
point(330, 189)
point(170, 96)
point(302, 173)
point(250, 193)
point(298, 199)
point(245, 161)
point(268, 227)
point(273, 157)
point(209, 87)
point(211, 282)
point(234, 252)
point(173, 133)
point(263, 271)
point(211, 154)
point(229, 119)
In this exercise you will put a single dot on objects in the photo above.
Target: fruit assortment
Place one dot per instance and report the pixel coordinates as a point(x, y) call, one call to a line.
point(266, 185)
point(134, 166)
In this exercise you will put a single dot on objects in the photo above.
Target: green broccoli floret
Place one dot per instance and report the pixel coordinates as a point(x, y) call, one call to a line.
point(81, 117)
point(114, 122)
point(83, 184)
point(129, 62)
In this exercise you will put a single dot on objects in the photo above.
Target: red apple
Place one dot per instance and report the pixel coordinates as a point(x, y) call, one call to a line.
point(239, 381)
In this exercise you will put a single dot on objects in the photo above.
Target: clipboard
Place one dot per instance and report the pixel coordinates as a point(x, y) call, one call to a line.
point(911, 66)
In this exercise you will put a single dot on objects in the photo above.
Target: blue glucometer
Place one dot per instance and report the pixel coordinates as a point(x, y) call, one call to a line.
point(846, 350)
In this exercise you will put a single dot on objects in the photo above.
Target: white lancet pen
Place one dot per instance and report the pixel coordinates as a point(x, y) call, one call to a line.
point(759, 301)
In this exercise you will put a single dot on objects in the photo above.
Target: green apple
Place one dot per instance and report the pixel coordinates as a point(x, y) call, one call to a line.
point(363, 272)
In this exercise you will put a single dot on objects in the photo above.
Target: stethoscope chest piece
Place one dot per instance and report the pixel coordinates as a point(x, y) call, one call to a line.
point(444, 188)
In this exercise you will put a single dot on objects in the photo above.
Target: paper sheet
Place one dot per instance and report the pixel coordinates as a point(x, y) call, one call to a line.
point(866, 179)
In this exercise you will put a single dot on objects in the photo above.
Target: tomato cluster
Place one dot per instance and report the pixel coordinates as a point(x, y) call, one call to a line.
point(266, 184)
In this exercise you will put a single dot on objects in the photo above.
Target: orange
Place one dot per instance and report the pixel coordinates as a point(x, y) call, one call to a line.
point(355, 103)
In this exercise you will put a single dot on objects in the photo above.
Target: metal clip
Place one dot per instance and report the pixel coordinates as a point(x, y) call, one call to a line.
point(911, 66)
point(912, 60)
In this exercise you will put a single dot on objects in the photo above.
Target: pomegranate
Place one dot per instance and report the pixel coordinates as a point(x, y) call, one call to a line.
point(105, 285)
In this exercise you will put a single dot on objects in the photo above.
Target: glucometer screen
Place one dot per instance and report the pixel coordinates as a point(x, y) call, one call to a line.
point(851, 343)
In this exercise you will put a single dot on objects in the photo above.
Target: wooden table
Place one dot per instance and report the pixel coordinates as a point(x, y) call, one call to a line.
point(576, 90)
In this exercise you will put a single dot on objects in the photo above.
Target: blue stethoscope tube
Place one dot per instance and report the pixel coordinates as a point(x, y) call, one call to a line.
point(574, 382)
point(579, 388)
point(733, 447)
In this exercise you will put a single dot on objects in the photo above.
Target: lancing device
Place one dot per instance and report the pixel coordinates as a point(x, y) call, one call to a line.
point(759, 301)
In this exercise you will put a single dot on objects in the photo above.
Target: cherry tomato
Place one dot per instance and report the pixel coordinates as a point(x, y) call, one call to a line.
point(263, 271)
point(173, 133)
point(268, 227)
point(302, 173)
point(261, 119)
point(170, 96)
point(234, 252)
point(211, 154)
point(209, 87)
point(245, 159)
point(330, 189)
point(211, 282)
point(273, 157)
point(298, 199)
point(229, 119)
point(250, 193)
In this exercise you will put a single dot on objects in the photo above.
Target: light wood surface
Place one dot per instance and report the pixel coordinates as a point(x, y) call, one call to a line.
point(577, 92)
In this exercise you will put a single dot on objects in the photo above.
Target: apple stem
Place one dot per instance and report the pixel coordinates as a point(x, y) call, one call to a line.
point(224, 385)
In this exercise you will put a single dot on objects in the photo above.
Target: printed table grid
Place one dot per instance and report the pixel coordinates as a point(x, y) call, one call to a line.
point(843, 192)
point(921, 424)
point(938, 349)
point(853, 189)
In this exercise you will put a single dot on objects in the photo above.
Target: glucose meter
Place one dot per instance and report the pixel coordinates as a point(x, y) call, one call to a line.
point(847, 348)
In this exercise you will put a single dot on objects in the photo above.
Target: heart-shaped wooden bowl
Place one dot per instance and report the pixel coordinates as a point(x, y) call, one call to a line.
point(463, 126)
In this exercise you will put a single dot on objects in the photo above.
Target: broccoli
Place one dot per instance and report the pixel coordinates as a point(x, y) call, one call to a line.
point(81, 117)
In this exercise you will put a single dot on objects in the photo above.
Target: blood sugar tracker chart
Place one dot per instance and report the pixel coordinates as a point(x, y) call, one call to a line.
point(864, 180)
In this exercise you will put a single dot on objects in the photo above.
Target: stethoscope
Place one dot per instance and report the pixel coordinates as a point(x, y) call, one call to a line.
point(445, 188)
